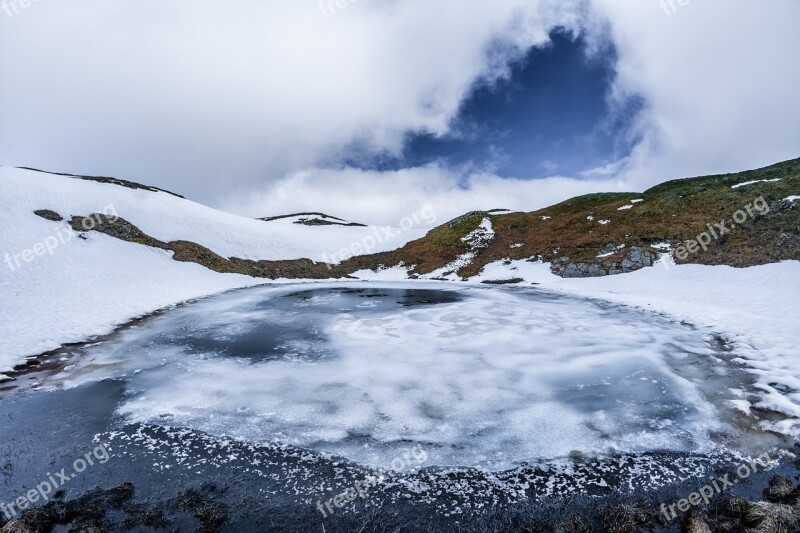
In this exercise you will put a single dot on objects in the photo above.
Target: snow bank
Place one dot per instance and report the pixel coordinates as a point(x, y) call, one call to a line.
point(86, 287)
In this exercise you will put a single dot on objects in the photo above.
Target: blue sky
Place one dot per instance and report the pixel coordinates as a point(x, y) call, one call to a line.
point(551, 115)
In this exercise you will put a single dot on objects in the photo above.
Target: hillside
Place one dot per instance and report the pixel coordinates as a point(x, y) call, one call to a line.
point(743, 219)
point(602, 234)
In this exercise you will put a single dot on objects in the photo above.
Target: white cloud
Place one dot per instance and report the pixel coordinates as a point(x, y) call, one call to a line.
point(206, 96)
point(220, 99)
point(719, 78)
point(386, 197)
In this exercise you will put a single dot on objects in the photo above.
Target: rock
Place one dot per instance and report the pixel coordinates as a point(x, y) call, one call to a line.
point(636, 259)
point(502, 281)
point(596, 271)
point(116, 227)
point(49, 215)
point(577, 270)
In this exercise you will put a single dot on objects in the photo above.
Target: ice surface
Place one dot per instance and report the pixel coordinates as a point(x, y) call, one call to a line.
point(478, 377)
point(754, 308)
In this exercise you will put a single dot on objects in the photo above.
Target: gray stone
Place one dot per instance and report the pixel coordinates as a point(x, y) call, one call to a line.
point(596, 271)
point(48, 215)
point(636, 259)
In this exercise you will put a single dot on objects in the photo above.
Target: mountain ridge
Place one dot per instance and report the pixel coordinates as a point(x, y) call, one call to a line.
point(585, 236)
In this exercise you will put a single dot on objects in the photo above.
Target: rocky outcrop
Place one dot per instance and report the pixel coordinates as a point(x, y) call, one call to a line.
point(636, 259)
point(48, 215)
point(191, 252)
point(107, 180)
point(565, 268)
point(315, 219)
point(116, 227)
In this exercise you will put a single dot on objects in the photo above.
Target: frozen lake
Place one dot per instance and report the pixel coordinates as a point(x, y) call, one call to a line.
point(479, 377)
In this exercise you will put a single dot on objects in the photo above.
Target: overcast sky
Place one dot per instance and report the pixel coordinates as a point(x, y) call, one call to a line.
point(370, 110)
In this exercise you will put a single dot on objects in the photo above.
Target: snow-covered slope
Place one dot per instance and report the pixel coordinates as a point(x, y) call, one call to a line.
point(88, 285)
point(169, 218)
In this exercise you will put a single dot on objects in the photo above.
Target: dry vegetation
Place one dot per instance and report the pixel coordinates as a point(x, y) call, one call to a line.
point(673, 212)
